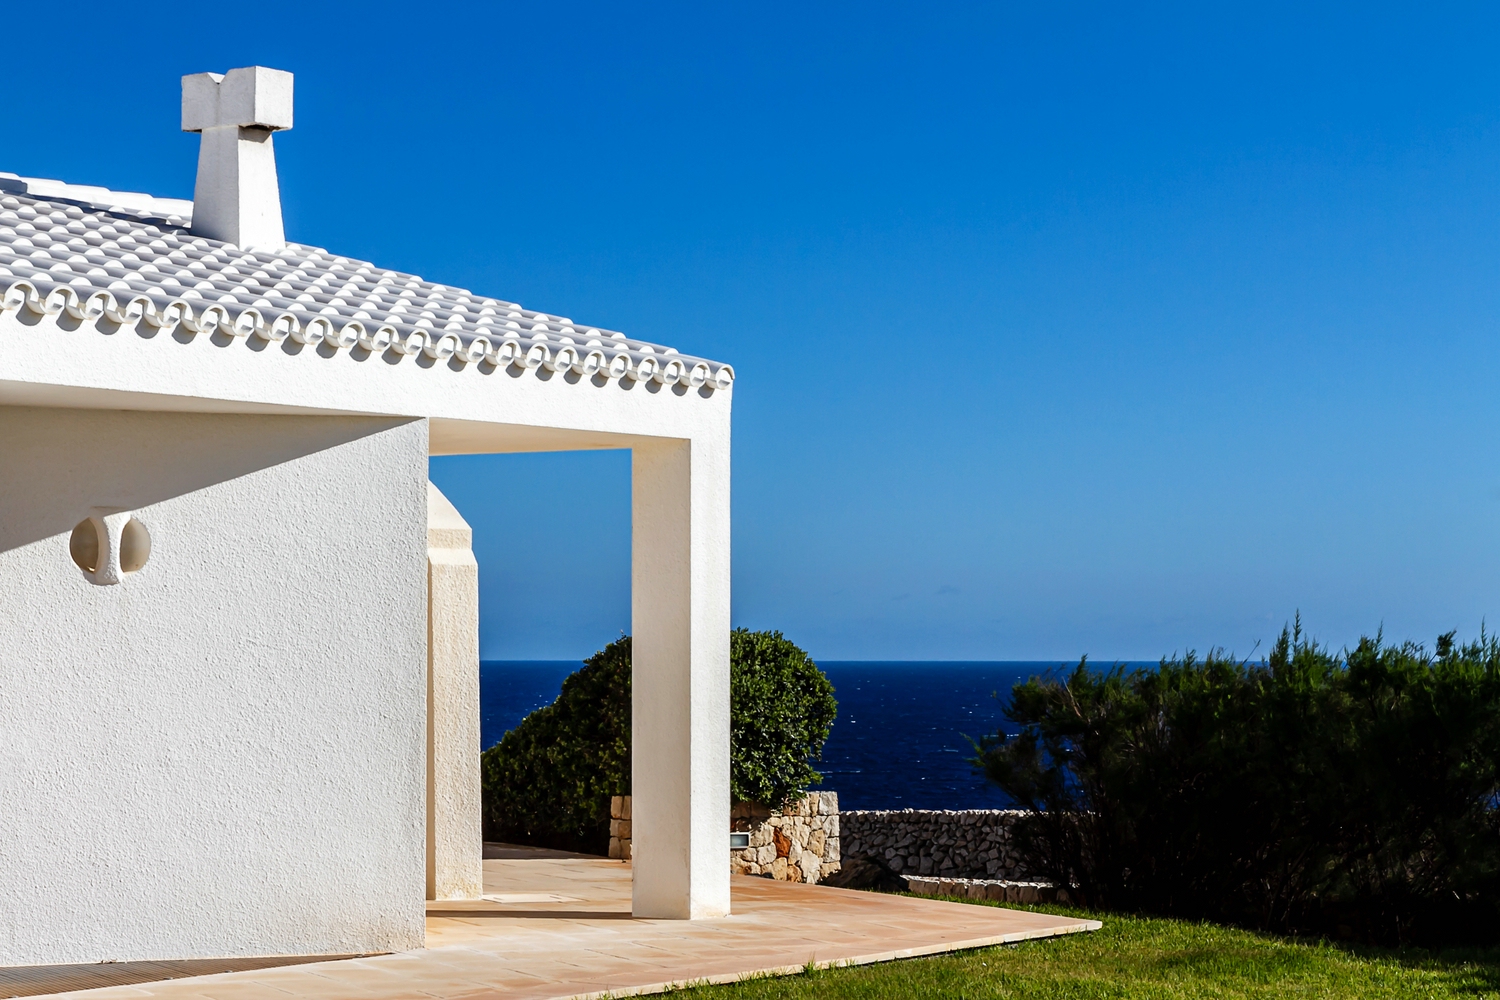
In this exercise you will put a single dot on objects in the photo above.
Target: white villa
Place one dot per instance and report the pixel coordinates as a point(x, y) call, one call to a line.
point(239, 637)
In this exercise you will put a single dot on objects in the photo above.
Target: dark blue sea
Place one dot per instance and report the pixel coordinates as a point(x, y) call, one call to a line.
point(900, 741)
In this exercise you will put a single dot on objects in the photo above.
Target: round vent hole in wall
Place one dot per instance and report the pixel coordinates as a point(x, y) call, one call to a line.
point(135, 546)
point(89, 546)
point(84, 545)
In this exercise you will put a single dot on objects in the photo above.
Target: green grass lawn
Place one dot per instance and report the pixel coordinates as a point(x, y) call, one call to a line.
point(1137, 958)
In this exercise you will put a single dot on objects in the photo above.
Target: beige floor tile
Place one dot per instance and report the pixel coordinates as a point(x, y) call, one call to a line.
point(530, 948)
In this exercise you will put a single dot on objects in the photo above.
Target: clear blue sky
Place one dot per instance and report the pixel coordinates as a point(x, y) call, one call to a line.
point(1058, 330)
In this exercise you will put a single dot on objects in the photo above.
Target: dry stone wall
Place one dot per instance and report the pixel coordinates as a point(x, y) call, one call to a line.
point(967, 844)
point(619, 827)
point(984, 888)
point(796, 844)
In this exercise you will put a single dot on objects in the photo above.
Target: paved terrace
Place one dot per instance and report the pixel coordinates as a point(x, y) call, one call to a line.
point(555, 925)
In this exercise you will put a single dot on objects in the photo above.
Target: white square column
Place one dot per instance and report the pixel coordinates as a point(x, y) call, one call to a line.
point(680, 677)
point(455, 836)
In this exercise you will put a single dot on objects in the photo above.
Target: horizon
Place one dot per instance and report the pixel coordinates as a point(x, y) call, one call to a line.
point(820, 662)
point(1055, 329)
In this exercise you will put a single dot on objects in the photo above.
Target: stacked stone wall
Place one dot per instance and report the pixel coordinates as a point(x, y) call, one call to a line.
point(619, 827)
point(967, 844)
point(796, 844)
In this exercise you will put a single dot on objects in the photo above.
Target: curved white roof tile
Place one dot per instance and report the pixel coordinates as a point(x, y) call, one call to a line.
point(128, 258)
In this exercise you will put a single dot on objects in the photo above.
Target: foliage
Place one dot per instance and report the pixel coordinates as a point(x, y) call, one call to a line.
point(781, 711)
point(548, 781)
point(1137, 958)
point(1352, 795)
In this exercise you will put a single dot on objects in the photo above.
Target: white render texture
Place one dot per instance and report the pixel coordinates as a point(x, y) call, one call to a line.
point(680, 678)
point(237, 198)
point(455, 834)
point(222, 754)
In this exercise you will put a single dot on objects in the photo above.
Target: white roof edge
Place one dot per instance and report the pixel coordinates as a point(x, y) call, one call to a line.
point(97, 197)
point(127, 258)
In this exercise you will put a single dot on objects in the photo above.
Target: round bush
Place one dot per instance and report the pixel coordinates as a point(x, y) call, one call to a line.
point(781, 711)
point(549, 780)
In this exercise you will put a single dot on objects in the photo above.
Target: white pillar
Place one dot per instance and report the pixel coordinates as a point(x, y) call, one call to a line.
point(455, 837)
point(680, 679)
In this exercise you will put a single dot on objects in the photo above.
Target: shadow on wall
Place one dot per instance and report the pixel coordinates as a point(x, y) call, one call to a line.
point(132, 459)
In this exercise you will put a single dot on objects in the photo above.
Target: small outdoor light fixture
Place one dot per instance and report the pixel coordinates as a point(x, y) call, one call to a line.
point(738, 841)
point(108, 544)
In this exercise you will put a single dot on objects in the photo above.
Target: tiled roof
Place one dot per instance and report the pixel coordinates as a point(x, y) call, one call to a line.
point(129, 258)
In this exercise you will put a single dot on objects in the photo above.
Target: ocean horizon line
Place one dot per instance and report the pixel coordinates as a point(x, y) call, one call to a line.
point(908, 663)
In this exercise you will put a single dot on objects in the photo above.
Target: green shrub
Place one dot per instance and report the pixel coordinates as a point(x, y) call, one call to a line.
point(548, 781)
point(1353, 795)
point(781, 710)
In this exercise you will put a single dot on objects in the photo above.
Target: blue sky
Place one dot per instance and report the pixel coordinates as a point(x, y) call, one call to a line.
point(1057, 330)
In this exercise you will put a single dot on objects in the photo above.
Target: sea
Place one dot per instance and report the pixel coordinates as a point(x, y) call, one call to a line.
point(901, 739)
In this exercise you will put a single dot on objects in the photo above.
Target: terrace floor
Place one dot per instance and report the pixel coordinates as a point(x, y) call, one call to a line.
point(556, 925)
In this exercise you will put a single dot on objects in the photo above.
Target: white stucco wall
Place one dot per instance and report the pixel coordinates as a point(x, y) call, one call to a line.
point(224, 754)
point(681, 551)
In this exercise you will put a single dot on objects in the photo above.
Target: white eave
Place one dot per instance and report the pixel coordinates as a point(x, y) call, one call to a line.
point(96, 256)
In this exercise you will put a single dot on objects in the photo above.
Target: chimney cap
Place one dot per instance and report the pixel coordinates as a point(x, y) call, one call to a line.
point(249, 97)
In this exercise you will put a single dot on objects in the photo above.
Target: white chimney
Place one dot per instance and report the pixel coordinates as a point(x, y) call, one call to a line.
point(237, 199)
